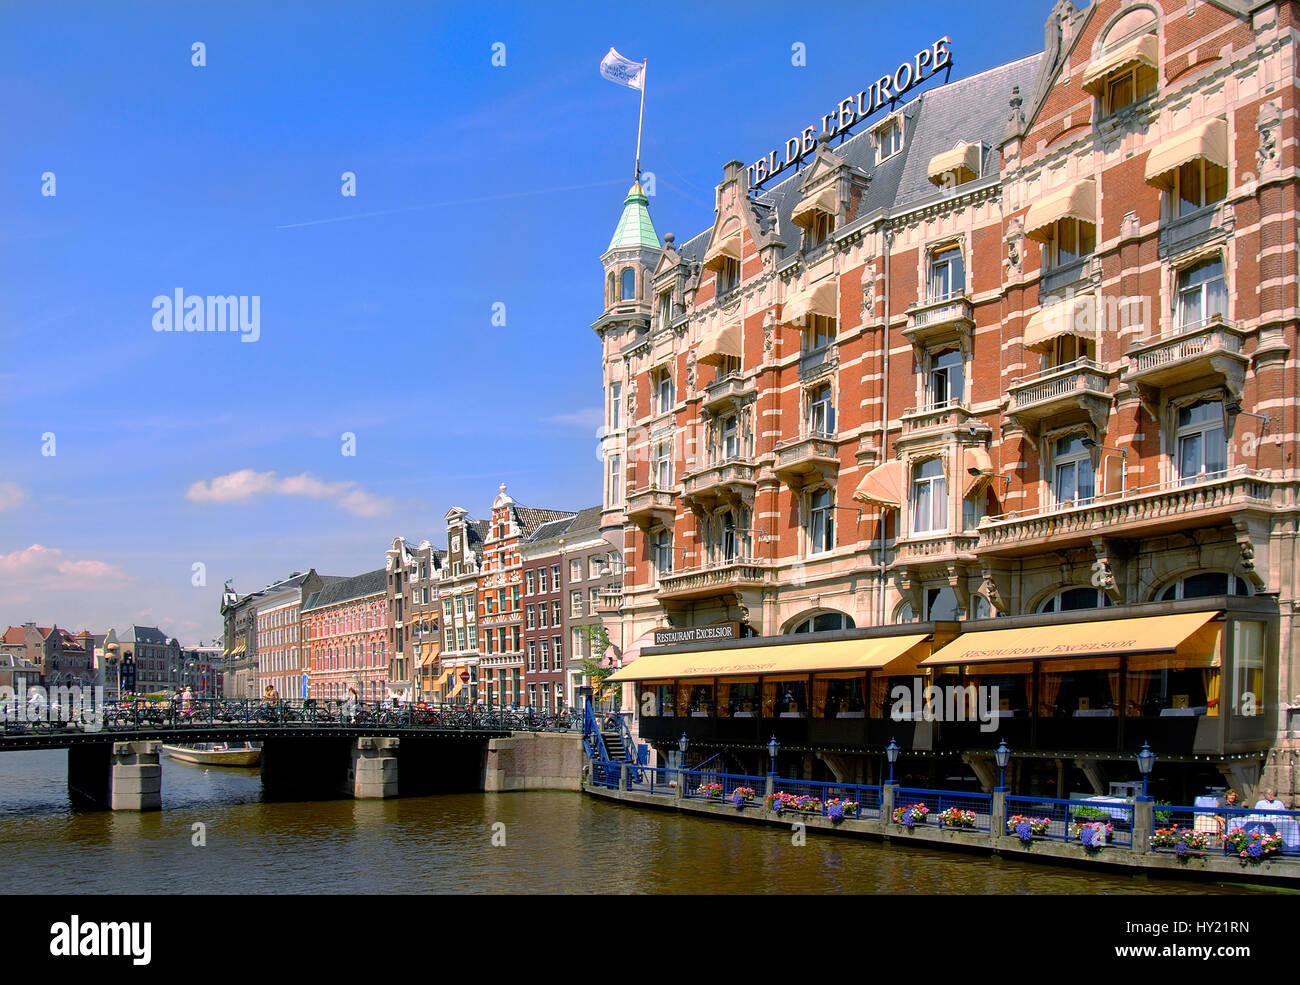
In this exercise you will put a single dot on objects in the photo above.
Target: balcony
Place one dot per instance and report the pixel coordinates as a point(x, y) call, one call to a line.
point(730, 479)
point(1190, 231)
point(813, 455)
point(938, 418)
point(647, 506)
point(1068, 277)
point(609, 603)
point(719, 578)
point(930, 548)
point(731, 389)
point(1072, 390)
point(939, 319)
point(1146, 511)
point(1208, 349)
point(814, 362)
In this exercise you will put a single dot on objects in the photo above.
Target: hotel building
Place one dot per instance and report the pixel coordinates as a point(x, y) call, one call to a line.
point(1012, 349)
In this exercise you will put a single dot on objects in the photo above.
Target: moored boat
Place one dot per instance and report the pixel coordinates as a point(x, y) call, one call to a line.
point(217, 753)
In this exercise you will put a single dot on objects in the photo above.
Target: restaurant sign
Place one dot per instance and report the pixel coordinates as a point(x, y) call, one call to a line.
point(853, 109)
point(698, 634)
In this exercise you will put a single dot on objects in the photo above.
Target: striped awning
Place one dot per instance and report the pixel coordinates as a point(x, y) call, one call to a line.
point(821, 298)
point(826, 200)
point(1140, 51)
point(963, 161)
point(1075, 201)
point(722, 343)
point(883, 486)
point(1206, 141)
point(1075, 316)
point(722, 248)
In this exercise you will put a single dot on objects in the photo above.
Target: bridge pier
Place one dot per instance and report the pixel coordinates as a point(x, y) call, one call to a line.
point(373, 770)
point(119, 776)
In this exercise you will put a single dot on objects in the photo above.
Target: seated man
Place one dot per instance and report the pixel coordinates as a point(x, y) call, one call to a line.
point(1270, 802)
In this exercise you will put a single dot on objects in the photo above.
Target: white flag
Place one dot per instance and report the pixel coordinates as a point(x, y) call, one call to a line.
point(622, 70)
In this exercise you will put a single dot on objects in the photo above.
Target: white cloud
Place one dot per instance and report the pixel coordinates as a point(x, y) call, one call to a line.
point(589, 418)
point(38, 571)
point(246, 484)
point(11, 495)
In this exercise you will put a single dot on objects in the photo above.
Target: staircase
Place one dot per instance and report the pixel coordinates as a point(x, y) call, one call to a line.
point(614, 744)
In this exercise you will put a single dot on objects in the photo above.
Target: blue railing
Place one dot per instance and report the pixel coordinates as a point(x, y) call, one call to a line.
point(652, 780)
point(633, 751)
point(699, 786)
point(1064, 818)
point(976, 808)
point(605, 774)
point(1219, 825)
point(865, 796)
point(592, 742)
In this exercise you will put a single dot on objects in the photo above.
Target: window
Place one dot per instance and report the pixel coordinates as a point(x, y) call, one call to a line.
point(555, 576)
point(593, 597)
point(610, 289)
point(728, 275)
point(627, 285)
point(575, 603)
point(818, 333)
point(929, 498)
point(820, 229)
point(947, 378)
point(1197, 184)
point(1202, 445)
point(576, 645)
point(555, 613)
point(728, 540)
point(529, 584)
point(947, 272)
point(665, 309)
point(941, 603)
point(662, 381)
point(575, 570)
point(821, 522)
point(559, 651)
point(1064, 350)
point(662, 546)
point(821, 411)
point(729, 429)
point(1074, 599)
point(541, 616)
point(1121, 91)
point(1202, 293)
point(662, 464)
point(1248, 668)
point(889, 139)
point(1071, 240)
point(823, 622)
point(615, 481)
point(546, 654)
point(1073, 480)
point(615, 405)
point(541, 581)
point(531, 616)
point(1204, 585)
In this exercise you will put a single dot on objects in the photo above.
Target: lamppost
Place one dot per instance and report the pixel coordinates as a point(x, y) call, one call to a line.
point(773, 748)
point(1002, 756)
point(682, 744)
point(891, 754)
point(1146, 759)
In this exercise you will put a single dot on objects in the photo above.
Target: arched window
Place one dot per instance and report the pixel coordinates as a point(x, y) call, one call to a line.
point(1203, 585)
point(610, 295)
point(904, 613)
point(628, 292)
point(823, 622)
point(1074, 598)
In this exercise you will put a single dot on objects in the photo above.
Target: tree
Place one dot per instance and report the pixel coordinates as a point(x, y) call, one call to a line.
point(592, 665)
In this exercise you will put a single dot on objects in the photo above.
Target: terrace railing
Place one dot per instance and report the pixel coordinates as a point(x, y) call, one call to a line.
point(938, 801)
point(1218, 824)
point(1064, 817)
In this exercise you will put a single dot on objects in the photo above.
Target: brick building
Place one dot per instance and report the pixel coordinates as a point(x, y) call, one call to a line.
point(345, 633)
point(1015, 348)
point(593, 590)
point(543, 624)
point(414, 621)
point(457, 580)
point(281, 657)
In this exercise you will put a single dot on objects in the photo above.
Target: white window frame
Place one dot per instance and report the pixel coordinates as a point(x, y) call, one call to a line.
point(820, 417)
point(820, 529)
point(1071, 460)
point(1201, 430)
point(935, 488)
point(1202, 304)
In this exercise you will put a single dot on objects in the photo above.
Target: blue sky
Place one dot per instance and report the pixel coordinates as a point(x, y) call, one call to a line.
point(476, 185)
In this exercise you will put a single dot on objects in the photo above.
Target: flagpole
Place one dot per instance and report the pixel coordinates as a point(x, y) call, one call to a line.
point(645, 63)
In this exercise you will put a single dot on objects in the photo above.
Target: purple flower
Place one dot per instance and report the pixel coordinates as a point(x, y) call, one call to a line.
point(1088, 835)
point(1182, 849)
point(909, 818)
point(1024, 832)
point(737, 798)
point(835, 812)
point(1256, 849)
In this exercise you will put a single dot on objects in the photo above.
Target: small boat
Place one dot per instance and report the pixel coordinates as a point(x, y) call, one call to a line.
point(217, 753)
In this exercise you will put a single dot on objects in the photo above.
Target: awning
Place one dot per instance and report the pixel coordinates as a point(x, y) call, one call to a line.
point(722, 343)
point(722, 248)
point(1094, 638)
point(1140, 51)
point(1206, 141)
point(801, 658)
point(963, 160)
point(1076, 201)
point(978, 459)
point(1075, 316)
point(826, 200)
point(883, 486)
point(819, 299)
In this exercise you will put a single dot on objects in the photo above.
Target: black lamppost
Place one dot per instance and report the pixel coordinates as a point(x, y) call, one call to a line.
point(891, 754)
point(1146, 759)
point(773, 748)
point(682, 745)
point(1002, 756)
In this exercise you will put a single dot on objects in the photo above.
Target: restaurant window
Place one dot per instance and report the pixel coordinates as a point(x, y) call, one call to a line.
point(839, 697)
point(738, 699)
point(929, 497)
point(1201, 442)
point(821, 411)
point(1202, 293)
point(1248, 668)
point(823, 622)
point(790, 698)
point(947, 274)
point(700, 703)
point(662, 545)
point(1073, 481)
point(946, 380)
point(818, 332)
point(657, 701)
point(662, 466)
point(821, 521)
point(1197, 184)
point(1204, 585)
point(627, 284)
point(1075, 598)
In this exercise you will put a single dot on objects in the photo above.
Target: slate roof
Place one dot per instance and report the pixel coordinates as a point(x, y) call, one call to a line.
point(967, 110)
point(530, 519)
point(143, 634)
point(346, 589)
point(552, 529)
point(586, 522)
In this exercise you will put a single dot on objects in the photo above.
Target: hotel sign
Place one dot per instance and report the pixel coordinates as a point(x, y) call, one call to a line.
point(853, 109)
point(698, 634)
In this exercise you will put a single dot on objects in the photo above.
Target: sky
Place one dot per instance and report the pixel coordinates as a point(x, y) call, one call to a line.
point(143, 468)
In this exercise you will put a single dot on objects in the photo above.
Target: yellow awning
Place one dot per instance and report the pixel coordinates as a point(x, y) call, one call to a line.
point(1206, 141)
point(826, 200)
point(1140, 51)
point(802, 658)
point(724, 246)
point(1075, 316)
point(963, 161)
point(722, 343)
point(883, 486)
point(1076, 201)
point(1096, 638)
point(978, 459)
point(818, 299)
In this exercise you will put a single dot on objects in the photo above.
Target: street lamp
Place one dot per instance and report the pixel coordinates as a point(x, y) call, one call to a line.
point(682, 744)
point(1234, 408)
point(891, 754)
point(773, 748)
point(1146, 759)
point(975, 473)
point(1091, 443)
point(1002, 756)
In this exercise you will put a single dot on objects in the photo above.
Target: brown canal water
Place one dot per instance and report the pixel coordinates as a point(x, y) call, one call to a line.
point(553, 843)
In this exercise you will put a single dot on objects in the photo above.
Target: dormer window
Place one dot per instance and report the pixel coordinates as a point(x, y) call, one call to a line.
point(888, 138)
point(956, 166)
point(819, 231)
point(1123, 70)
point(728, 275)
point(665, 309)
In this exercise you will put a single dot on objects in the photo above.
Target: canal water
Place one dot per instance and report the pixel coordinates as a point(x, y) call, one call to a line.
point(539, 842)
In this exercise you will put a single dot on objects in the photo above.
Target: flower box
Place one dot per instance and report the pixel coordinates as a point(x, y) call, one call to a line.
point(955, 817)
point(911, 815)
point(710, 790)
point(1253, 846)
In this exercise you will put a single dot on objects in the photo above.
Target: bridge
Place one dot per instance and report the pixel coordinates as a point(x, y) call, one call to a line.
point(309, 749)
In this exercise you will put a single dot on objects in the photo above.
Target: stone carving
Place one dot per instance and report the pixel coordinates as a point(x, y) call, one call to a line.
point(769, 334)
point(1268, 123)
point(631, 400)
point(868, 293)
point(1015, 247)
point(989, 589)
point(690, 374)
point(1016, 117)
